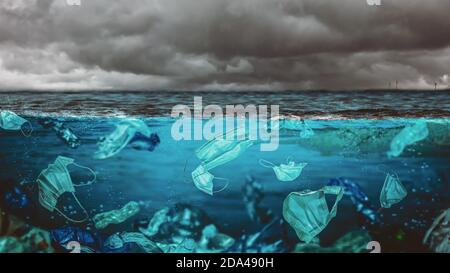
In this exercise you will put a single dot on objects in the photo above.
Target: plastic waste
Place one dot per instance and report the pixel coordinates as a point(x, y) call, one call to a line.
point(253, 194)
point(203, 180)
point(308, 213)
point(124, 133)
point(174, 224)
point(130, 242)
point(186, 246)
point(144, 143)
point(55, 181)
point(30, 240)
point(214, 241)
point(298, 125)
point(63, 132)
point(352, 242)
point(16, 198)
point(359, 199)
point(88, 241)
point(221, 150)
point(285, 172)
point(392, 192)
point(11, 121)
point(152, 227)
point(104, 219)
point(437, 236)
point(409, 135)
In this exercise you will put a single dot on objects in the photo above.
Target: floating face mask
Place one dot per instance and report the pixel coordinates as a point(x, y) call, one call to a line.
point(307, 212)
point(223, 149)
point(11, 121)
point(203, 180)
point(285, 172)
point(104, 219)
point(119, 139)
point(392, 192)
point(409, 135)
point(56, 180)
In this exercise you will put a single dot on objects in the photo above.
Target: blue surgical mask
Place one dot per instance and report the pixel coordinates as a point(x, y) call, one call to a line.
point(392, 192)
point(285, 172)
point(11, 121)
point(223, 149)
point(307, 211)
point(55, 181)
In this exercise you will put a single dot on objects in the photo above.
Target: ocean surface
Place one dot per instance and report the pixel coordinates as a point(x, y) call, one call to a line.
point(352, 135)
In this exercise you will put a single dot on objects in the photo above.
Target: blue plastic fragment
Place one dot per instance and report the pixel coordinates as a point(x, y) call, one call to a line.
point(16, 198)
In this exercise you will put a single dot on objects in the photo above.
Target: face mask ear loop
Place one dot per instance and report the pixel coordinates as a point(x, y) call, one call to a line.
point(185, 177)
point(73, 220)
point(224, 187)
point(31, 129)
point(266, 163)
point(90, 181)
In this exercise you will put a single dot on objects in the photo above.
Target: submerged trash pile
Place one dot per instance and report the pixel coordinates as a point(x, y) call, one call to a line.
point(183, 228)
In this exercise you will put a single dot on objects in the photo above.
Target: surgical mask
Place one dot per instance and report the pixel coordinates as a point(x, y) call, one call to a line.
point(223, 149)
point(203, 180)
point(409, 135)
point(307, 211)
point(119, 139)
point(285, 172)
point(55, 181)
point(11, 121)
point(392, 192)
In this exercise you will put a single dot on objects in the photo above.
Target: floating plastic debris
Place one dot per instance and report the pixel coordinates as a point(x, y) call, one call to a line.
point(88, 241)
point(130, 242)
point(285, 172)
point(222, 149)
point(298, 125)
point(124, 133)
point(144, 143)
point(392, 192)
point(409, 135)
point(62, 131)
point(307, 211)
point(359, 199)
point(152, 227)
point(11, 121)
point(104, 219)
point(16, 198)
point(55, 181)
point(437, 237)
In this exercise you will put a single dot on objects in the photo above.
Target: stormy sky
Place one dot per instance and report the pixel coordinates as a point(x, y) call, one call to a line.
point(223, 44)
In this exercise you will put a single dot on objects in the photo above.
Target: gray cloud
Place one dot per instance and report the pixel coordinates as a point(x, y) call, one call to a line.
point(223, 44)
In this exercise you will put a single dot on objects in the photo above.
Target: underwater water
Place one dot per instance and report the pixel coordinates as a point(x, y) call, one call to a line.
point(352, 135)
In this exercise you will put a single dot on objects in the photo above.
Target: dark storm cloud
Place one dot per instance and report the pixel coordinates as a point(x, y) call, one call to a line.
point(223, 44)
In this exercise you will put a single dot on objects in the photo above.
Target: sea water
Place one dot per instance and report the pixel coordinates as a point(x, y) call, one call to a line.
point(352, 135)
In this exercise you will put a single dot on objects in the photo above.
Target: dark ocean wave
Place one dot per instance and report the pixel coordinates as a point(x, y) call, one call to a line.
point(304, 104)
